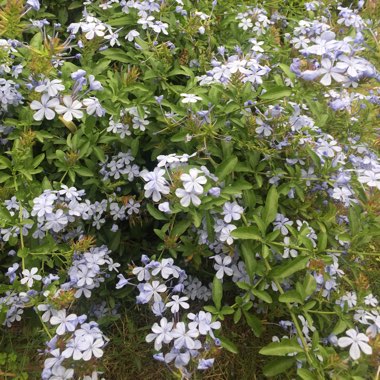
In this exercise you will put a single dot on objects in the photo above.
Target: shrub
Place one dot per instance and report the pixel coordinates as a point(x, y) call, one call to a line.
point(212, 162)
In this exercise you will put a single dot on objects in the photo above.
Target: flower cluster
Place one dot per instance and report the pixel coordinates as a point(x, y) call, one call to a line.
point(118, 166)
point(69, 105)
point(81, 341)
point(9, 95)
point(255, 20)
point(129, 119)
point(88, 271)
point(245, 67)
point(235, 145)
point(185, 340)
point(193, 182)
point(338, 58)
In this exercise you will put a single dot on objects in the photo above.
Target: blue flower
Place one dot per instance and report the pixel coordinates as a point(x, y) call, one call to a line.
point(205, 363)
point(35, 4)
point(122, 281)
point(11, 272)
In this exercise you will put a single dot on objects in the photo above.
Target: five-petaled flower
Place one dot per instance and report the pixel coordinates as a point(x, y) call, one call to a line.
point(65, 323)
point(161, 333)
point(70, 109)
point(178, 302)
point(44, 108)
point(30, 276)
point(190, 98)
point(358, 343)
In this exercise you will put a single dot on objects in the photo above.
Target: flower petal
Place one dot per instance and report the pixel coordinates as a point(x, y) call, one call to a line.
point(355, 351)
point(344, 342)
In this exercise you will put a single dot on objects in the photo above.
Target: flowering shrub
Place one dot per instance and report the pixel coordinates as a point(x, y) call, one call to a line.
point(211, 162)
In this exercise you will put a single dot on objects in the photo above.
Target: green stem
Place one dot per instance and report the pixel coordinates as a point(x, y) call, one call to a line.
point(43, 325)
point(296, 324)
point(364, 253)
point(326, 250)
point(63, 177)
point(21, 238)
point(291, 246)
point(321, 312)
point(20, 219)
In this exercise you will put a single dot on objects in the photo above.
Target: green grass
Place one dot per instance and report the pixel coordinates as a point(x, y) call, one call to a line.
point(129, 357)
point(19, 357)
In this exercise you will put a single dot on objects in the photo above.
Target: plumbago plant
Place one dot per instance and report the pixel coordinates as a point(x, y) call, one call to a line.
point(209, 161)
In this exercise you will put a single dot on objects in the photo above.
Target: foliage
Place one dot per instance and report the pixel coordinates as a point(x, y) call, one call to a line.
point(206, 164)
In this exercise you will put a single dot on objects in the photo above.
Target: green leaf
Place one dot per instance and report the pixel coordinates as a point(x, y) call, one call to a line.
point(116, 55)
point(226, 167)
point(309, 285)
point(210, 226)
point(37, 160)
point(23, 252)
point(227, 310)
point(249, 199)
point(61, 155)
point(36, 41)
point(231, 107)
point(228, 345)
point(101, 66)
point(246, 233)
point(276, 93)
point(184, 70)
point(291, 296)
point(4, 177)
point(237, 187)
point(197, 218)
point(272, 236)
point(305, 241)
point(339, 327)
point(115, 241)
point(5, 163)
point(309, 305)
point(26, 174)
point(277, 366)
point(211, 309)
point(354, 218)
point(322, 238)
point(305, 374)
point(249, 258)
point(179, 137)
point(158, 215)
point(254, 323)
point(75, 5)
point(260, 224)
point(120, 21)
point(262, 294)
point(265, 251)
point(85, 172)
point(159, 233)
point(271, 206)
point(180, 227)
point(243, 285)
point(315, 158)
point(99, 153)
point(237, 316)
point(290, 267)
point(287, 71)
point(217, 292)
point(71, 174)
point(322, 241)
point(283, 348)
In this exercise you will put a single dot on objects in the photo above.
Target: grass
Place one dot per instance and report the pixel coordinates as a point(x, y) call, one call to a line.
point(19, 358)
point(129, 357)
